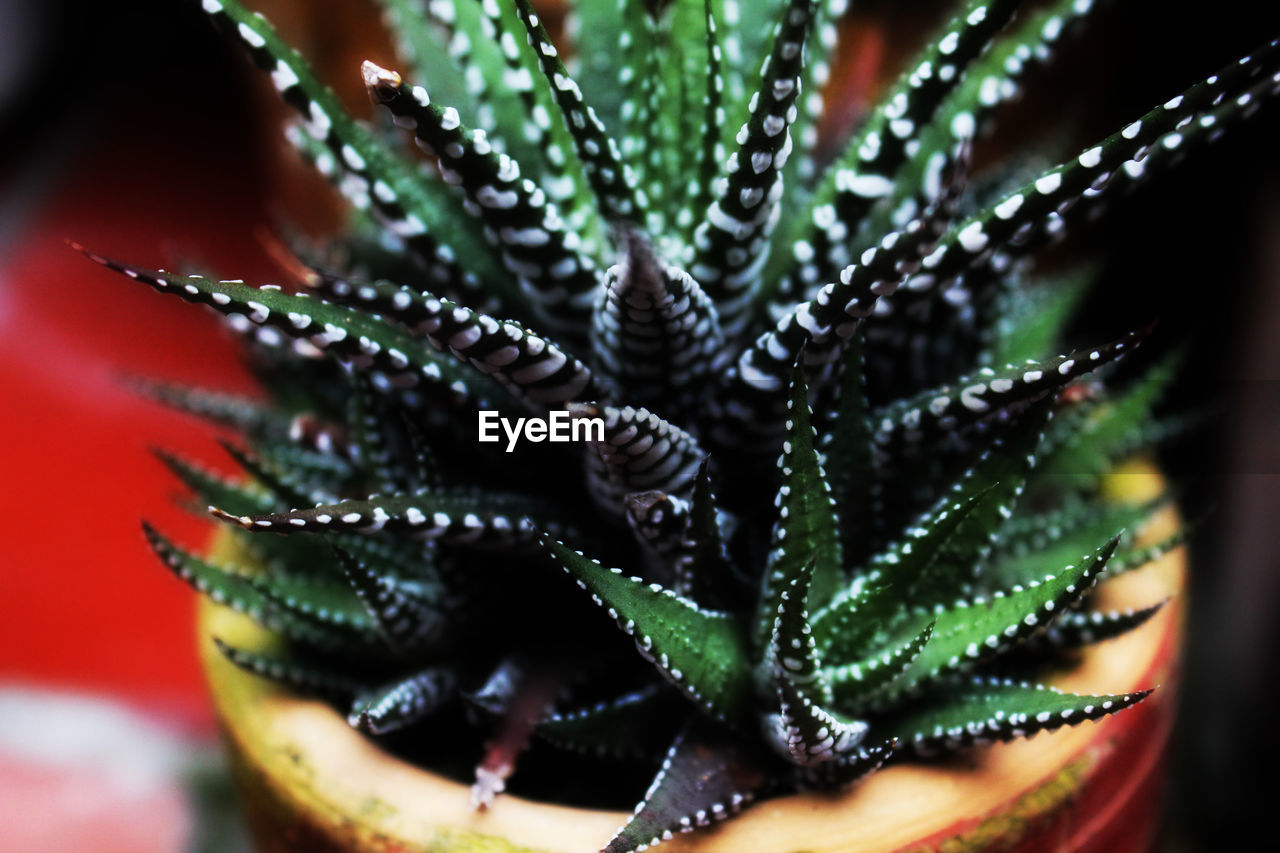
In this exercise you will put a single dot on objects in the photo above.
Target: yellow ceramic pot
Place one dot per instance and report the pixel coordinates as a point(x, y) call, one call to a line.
point(311, 783)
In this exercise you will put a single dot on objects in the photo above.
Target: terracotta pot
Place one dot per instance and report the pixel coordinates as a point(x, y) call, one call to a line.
point(309, 782)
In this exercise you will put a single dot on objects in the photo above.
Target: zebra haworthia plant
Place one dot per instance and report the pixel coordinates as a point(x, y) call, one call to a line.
point(644, 232)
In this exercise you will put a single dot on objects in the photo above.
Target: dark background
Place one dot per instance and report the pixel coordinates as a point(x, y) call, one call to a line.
point(136, 119)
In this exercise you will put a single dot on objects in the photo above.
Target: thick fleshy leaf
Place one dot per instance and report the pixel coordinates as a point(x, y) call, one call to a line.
point(638, 724)
point(986, 710)
point(535, 244)
point(422, 40)
point(655, 333)
point(954, 290)
point(1032, 317)
point(689, 85)
point(305, 678)
point(848, 628)
point(939, 557)
point(972, 631)
point(604, 36)
point(705, 778)
point(455, 517)
point(704, 570)
point(847, 455)
point(636, 451)
point(1109, 430)
point(659, 520)
point(233, 588)
point(482, 42)
point(641, 105)
point(616, 192)
point(1136, 558)
point(849, 769)
point(1080, 628)
point(865, 173)
point(805, 533)
point(321, 469)
point(215, 490)
point(977, 397)
point(404, 702)
point(704, 653)
point(991, 488)
point(798, 172)
point(529, 365)
point(732, 241)
point(1056, 538)
point(565, 173)
point(1006, 228)
point(372, 176)
point(288, 488)
point(852, 681)
point(277, 317)
point(993, 79)
point(327, 603)
point(406, 622)
point(805, 731)
point(243, 413)
point(815, 330)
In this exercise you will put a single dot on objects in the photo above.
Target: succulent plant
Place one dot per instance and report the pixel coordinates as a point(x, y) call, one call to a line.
point(841, 494)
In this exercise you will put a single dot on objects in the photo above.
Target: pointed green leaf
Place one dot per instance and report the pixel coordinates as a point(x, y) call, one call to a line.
point(731, 241)
point(456, 517)
point(405, 621)
point(705, 778)
point(1079, 628)
point(655, 333)
point(986, 710)
point(851, 683)
point(847, 454)
point(977, 397)
point(815, 330)
point(972, 631)
point(865, 172)
point(233, 588)
point(232, 410)
point(284, 484)
point(530, 366)
point(805, 531)
point(1058, 537)
point(420, 212)
point(302, 677)
point(805, 730)
point(638, 724)
point(1022, 220)
point(550, 265)
point(704, 653)
point(615, 188)
point(704, 571)
point(403, 702)
point(993, 79)
point(1107, 430)
point(215, 490)
point(276, 317)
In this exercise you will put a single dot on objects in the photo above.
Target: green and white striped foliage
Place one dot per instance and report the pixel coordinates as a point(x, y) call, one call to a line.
point(625, 221)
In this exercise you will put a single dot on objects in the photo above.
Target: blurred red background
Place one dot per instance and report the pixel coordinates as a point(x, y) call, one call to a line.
point(172, 160)
point(76, 465)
